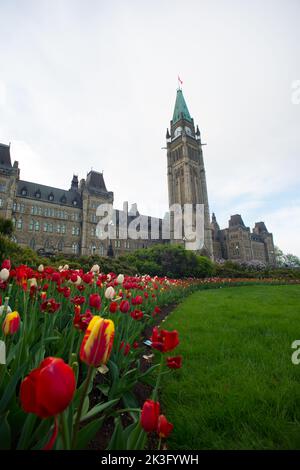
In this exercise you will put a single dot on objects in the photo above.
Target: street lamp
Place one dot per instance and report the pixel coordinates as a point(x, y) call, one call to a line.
point(110, 251)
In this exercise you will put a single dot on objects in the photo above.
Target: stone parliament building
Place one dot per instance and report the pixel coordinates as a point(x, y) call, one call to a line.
point(52, 220)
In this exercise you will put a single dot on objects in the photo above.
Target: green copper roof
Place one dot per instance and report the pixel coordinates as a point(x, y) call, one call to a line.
point(181, 109)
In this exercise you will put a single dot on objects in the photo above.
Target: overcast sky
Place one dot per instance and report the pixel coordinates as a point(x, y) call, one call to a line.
point(92, 84)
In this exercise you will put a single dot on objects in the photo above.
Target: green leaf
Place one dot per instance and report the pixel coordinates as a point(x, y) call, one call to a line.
point(136, 438)
point(87, 433)
point(5, 434)
point(98, 409)
point(117, 441)
point(86, 404)
point(11, 388)
point(104, 389)
point(27, 431)
point(130, 401)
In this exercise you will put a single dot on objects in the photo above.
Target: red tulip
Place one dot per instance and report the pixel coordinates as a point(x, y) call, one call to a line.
point(50, 306)
point(164, 427)
point(95, 301)
point(81, 321)
point(78, 300)
point(174, 362)
point(124, 306)
point(137, 314)
point(113, 307)
point(11, 323)
point(48, 390)
point(149, 415)
point(97, 342)
point(87, 278)
point(6, 264)
point(164, 340)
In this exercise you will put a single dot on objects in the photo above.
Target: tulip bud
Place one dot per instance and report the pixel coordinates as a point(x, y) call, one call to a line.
point(149, 415)
point(95, 301)
point(97, 342)
point(164, 427)
point(11, 323)
point(120, 279)
point(109, 293)
point(4, 274)
point(124, 306)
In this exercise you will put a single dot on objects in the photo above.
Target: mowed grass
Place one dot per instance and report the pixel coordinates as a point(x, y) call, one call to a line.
point(238, 388)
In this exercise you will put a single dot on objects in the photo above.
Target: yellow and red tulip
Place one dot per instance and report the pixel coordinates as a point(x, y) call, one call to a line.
point(11, 323)
point(98, 340)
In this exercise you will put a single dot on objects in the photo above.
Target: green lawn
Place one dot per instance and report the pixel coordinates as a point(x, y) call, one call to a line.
point(238, 388)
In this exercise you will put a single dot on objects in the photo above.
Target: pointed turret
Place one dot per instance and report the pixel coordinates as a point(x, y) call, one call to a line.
point(74, 182)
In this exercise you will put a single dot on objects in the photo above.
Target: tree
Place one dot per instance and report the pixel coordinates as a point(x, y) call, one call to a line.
point(292, 261)
point(6, 227)
point(287, 261)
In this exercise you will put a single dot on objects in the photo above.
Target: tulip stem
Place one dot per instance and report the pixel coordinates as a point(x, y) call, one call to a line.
point(159, 444)
point(79, 411)
point(155, 391)
point(65, 431)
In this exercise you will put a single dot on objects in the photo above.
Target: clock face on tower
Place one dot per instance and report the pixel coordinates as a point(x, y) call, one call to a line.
point(188, 130)
point(178, 131)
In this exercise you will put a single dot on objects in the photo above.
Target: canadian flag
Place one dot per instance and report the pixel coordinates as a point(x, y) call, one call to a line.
point(180, 81)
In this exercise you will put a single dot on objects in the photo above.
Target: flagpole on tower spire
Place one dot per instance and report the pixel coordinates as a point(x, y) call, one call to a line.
point(180, 82)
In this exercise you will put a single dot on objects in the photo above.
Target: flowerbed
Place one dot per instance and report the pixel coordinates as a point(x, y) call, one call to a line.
point(74, 343)
point(67, 333)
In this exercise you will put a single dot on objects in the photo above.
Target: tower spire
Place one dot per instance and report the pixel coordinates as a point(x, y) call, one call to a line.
point(181, 110)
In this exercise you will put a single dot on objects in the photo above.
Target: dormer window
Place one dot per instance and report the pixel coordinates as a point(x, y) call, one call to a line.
point(74, 202)
point(24, 192)
point(51, 197)
point(63, 199)
point(38, 194)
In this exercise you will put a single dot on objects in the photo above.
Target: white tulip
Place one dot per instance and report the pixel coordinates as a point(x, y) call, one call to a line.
point(95, 269)
point(120, 279)
point(78, 281)
point(32, 282)
point(41, 268)
point(66, 267)
point(4, 274)
point(108, 277)
point(109, 293)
